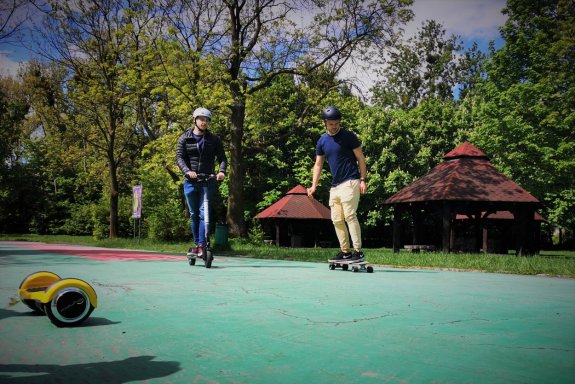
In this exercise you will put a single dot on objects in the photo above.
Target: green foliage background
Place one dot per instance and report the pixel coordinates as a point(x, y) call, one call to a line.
point(516, 103)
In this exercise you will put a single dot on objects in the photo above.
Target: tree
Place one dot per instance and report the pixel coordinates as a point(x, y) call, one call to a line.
point(426, 66)
point(17, 181)
point(259, 40)
point(524, 115)
point(91, 40)
point(402, 145)
point(12, 18)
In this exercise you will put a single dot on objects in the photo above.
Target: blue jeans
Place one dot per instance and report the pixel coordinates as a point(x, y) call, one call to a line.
point(198, 198)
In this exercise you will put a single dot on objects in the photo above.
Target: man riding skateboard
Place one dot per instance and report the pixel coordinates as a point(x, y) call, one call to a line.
point(342, 150)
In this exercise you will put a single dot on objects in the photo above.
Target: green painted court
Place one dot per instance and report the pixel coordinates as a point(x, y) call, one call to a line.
point(160, 320)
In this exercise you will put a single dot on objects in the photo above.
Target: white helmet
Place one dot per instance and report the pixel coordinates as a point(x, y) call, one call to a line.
point(202, 112)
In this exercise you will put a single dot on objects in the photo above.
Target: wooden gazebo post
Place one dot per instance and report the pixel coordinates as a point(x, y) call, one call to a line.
point(446, 223)
point(397, 228)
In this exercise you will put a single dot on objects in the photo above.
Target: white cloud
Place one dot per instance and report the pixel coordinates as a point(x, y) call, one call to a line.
point(8, 66)
point(470, 19)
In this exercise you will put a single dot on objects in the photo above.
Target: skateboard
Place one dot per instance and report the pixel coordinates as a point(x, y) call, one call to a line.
point(208, 258)
point(356, 266)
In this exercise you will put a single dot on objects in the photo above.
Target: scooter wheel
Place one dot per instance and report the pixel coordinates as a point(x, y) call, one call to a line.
point(70, 306)
point(369, 269)
point(345, 267)
point(192, 261)
point(332, 267)
point(208, 259)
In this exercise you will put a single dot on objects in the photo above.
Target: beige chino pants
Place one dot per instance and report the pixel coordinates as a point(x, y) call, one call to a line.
point(343, 201)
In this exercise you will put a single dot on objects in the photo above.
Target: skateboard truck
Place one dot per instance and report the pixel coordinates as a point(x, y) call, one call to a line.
point(66, 302)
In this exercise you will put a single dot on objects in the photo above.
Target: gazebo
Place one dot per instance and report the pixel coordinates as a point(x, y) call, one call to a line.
point(298, 220)
point(465, 183)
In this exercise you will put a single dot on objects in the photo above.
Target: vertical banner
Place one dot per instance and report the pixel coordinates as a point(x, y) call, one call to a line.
point(136, 202)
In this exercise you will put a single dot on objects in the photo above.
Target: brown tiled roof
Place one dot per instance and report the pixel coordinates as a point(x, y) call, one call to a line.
point(465, 175)
point(296, 205)
point(465, 150)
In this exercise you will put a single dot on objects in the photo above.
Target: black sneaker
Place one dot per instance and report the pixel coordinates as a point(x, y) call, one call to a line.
point(342, 256)
point(357, 255)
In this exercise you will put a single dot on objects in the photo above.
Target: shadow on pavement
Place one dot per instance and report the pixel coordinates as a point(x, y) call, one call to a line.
point(255, 266)
point(90, 322)
point(139, 368)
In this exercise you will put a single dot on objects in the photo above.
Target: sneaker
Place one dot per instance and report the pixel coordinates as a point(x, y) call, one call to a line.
point(200, 251)
point(342, 256)
point(357, 255)
point(192, 251)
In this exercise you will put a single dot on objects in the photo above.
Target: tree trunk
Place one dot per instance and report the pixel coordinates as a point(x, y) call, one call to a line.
point(114, 194)
point(235, 214)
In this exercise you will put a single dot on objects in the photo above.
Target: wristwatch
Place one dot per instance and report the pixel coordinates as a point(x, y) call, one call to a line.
point(363, 179)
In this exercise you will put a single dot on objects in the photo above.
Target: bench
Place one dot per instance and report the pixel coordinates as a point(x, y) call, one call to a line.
point(415, 248)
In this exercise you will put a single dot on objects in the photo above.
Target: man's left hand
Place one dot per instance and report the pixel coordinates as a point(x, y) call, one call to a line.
point(363, 187)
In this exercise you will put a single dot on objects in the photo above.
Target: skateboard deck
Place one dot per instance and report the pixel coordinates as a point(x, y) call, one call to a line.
point(356, 266)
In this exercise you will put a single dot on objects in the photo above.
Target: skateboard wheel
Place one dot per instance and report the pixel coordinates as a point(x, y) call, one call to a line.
point(331, 267)
point(369, 269)
point(192, 261)
point(345, 267)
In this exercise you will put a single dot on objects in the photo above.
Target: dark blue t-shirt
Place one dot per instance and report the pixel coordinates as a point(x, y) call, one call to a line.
point(338, 151)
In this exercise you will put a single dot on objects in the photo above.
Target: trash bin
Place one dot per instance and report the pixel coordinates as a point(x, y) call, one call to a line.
point(221, 235)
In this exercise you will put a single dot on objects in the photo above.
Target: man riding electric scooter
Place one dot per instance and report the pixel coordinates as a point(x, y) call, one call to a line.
point(197, 151)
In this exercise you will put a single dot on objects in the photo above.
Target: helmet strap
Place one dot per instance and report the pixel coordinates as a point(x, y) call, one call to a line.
point(198, 129)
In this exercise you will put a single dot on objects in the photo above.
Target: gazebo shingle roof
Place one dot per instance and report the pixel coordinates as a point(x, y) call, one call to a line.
point(466, 174)
point(296, 205)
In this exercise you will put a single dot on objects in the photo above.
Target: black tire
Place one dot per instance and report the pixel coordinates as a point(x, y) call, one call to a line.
point(33, 305)
point(69, 307)
point(345, 267)
point(192, 261)
point(332, 267)
point(208, 259)
point(370, 269)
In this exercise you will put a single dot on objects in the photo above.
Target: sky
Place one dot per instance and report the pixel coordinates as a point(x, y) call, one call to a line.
point(473, 20)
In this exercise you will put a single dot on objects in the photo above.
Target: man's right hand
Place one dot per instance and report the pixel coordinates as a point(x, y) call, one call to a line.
point(310, 191)
point(191, 175)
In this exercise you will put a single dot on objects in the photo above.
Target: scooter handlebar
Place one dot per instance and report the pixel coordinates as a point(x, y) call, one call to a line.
point(203, 177)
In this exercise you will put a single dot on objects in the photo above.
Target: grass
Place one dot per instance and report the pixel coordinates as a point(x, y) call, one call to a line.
point(551, 263)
